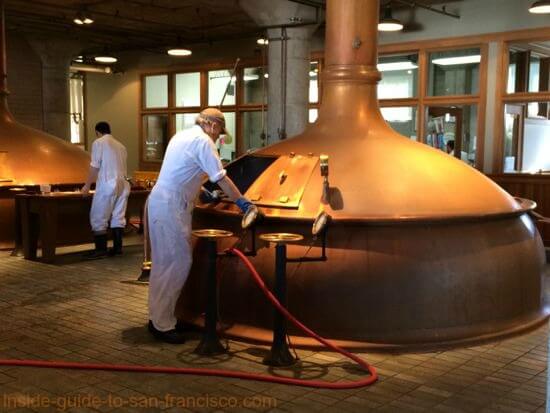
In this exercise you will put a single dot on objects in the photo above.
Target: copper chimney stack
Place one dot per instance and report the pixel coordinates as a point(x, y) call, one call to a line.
point(29, 156)
point(410, 261)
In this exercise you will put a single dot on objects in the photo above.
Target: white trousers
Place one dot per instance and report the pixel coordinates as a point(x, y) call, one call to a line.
point(169, 219)
point(109, 204)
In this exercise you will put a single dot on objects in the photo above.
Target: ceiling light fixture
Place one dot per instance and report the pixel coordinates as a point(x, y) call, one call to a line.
point(540, 7)
point(82, 19)
point(457, 60)
point(179, 52)
point(388, 23)
point(105, 59)
point(394, 66)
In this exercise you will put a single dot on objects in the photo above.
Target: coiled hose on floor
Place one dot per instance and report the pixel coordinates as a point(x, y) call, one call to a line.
point(371, 378)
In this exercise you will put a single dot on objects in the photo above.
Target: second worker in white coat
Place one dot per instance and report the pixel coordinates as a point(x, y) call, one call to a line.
point(108, 171)
point(190, 155)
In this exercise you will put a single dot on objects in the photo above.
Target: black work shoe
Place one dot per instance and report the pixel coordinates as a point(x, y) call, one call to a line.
point(100, 241)
point(171, 336)
point(117, 242)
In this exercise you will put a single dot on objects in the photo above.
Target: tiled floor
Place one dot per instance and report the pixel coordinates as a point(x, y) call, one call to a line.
point(83, 311)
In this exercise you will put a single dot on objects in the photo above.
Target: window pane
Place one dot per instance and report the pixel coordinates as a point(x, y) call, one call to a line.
point(217, 84)
point(527, 137)
point(399, 76)
point(254, 85)
point(313, 115)
point(402, 120)
point(314, 82)
point(253, 129)
point(228, 150)
point(185, 120)
point(453, 130)
point(156, 91)
point(76, 85)
point(528, 69)
point(454, 72)
point(155, 133)
point(188, 89)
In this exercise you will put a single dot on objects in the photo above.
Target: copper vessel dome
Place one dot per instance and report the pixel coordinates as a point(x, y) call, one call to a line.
point(30, 157)
point(411, 260)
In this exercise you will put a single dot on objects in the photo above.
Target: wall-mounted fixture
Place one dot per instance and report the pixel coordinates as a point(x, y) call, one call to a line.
point(262, 41)
point(179, 52)
point(81, 67)
point(83, 18)
point(540, 7)
point(387, 23)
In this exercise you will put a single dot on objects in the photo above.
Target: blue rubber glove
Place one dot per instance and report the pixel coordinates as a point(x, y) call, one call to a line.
point(243, 204)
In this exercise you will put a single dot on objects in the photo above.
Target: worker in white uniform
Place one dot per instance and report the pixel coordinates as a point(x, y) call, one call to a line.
point(191, 155)
point(108, 171)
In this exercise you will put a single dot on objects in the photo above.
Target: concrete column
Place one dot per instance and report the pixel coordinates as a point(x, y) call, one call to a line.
point(56, 55)
point(288, 87)
point(288, 63)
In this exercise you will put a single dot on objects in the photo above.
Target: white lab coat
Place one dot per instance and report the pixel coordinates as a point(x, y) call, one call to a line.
point(191, 154)
point(112, 189)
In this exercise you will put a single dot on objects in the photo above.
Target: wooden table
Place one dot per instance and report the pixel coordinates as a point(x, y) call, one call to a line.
point(41, 215)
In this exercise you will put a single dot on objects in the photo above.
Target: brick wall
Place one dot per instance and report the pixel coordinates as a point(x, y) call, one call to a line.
point(24, 81)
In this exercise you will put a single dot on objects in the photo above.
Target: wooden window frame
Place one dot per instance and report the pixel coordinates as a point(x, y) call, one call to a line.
point(172, 110)
point(503, 97)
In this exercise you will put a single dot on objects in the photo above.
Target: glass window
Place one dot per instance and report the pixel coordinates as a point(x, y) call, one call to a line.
point(528, 69)
point(399, 76)
point(188, 89)
point(217, 84)
point(454, 72)
point(253, 130)
point(76, 86)
point(227, 147)
point(155, 132)
point(313, 115)
point(185, 120)
point(314, 82)
point(254, 85)
point(453, 130)
point(527, 137)
point(402, 120)
point(156, 91)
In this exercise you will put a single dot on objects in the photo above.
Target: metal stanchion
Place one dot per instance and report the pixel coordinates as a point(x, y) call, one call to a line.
point(280, 353)
point(146, 264)
point(210, 343)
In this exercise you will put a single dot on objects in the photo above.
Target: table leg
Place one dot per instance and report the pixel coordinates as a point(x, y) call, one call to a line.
point(48, 230)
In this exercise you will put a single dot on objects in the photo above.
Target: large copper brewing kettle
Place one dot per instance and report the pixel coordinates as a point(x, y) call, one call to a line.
point(411, 259)
point(29, 157)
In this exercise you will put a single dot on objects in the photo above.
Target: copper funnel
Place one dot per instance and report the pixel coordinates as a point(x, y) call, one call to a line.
point(30, 157)
point(412, 261)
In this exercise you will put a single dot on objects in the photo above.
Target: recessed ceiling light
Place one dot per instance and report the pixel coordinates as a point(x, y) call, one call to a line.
point(178, 51)
point(540, 7)
point(105, 59)
point(82, 19)
point(457, 60)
